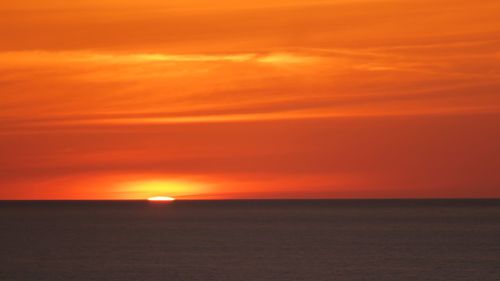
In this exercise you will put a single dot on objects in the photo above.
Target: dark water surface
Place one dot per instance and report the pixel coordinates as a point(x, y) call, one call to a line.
point(251, 240)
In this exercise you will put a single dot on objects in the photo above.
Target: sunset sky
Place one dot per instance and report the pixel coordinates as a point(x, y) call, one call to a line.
point(199, 99)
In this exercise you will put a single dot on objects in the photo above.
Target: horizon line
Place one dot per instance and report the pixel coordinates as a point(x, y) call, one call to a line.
point(254, 199)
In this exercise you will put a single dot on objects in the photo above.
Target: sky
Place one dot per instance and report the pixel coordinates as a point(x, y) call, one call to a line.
point(198, 99)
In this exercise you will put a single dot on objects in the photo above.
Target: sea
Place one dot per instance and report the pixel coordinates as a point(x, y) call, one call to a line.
point(250, 240)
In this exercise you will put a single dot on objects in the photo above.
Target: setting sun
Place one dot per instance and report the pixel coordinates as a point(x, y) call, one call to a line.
point(161, 199)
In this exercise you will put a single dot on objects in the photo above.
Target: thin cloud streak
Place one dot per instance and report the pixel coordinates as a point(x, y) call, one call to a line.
point(134, 79)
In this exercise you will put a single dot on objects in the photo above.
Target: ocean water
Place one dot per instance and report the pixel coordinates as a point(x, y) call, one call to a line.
point(344, 240)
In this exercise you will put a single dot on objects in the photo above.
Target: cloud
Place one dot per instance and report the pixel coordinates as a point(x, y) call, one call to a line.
point(217, 87)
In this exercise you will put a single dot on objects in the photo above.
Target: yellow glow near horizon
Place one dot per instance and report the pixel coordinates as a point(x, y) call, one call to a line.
point(161, 198)
point(151, 188)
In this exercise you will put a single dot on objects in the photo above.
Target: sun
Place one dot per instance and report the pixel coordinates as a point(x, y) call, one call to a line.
point(161, 199)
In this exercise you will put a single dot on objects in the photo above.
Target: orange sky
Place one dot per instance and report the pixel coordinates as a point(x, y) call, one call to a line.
point(119, 99)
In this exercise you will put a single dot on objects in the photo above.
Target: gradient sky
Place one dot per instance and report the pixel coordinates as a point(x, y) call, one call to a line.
point(119, 99)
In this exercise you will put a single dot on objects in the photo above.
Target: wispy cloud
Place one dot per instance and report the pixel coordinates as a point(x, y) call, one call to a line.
point(89, 87)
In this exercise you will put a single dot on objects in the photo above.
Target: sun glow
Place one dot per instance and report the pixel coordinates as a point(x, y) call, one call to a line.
point(161, 199)
point(150, 189)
